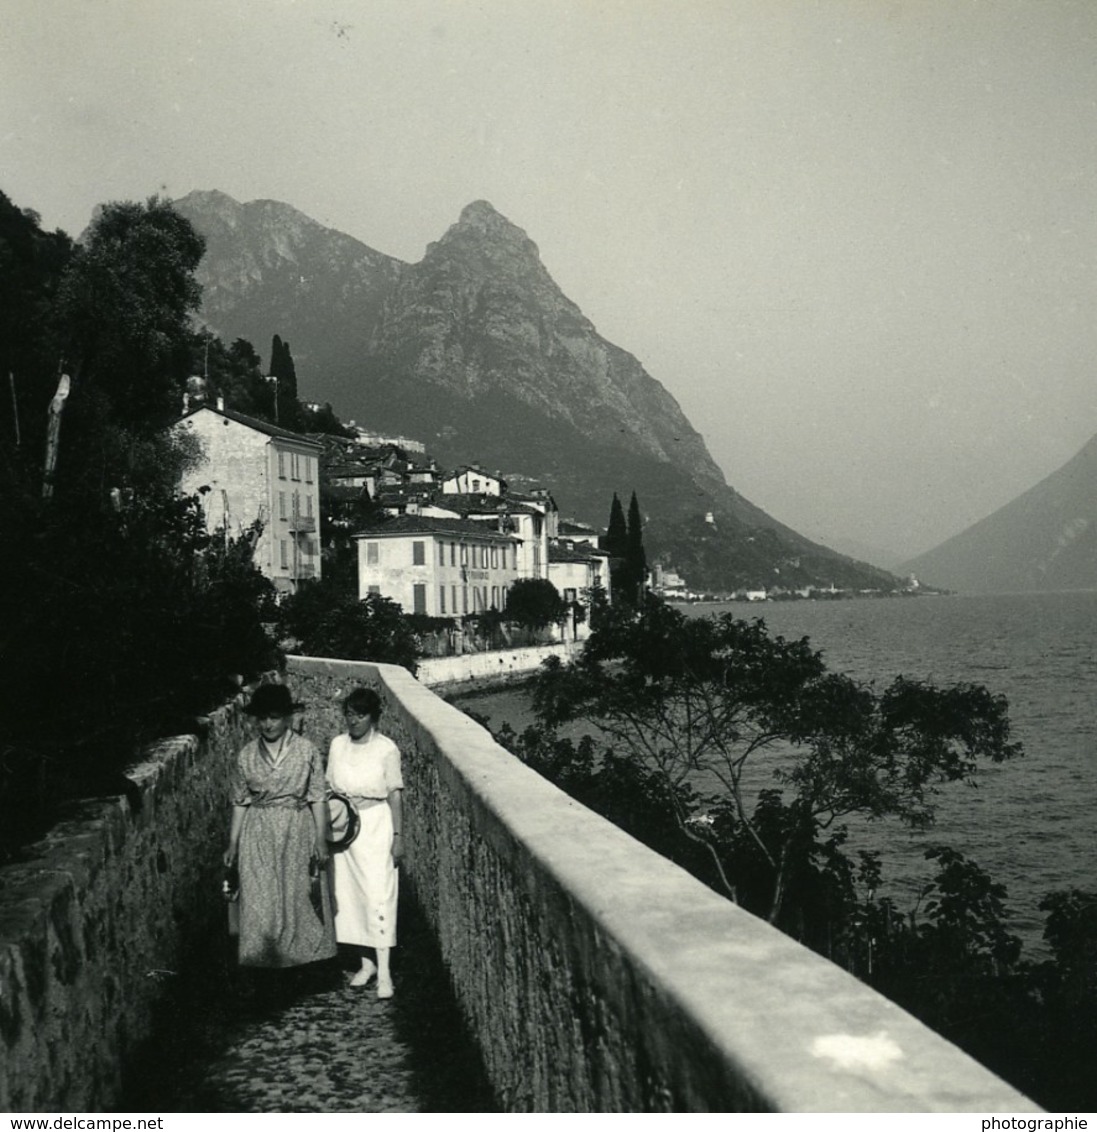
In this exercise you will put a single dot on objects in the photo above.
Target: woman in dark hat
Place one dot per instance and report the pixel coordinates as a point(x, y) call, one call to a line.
point(278, 840)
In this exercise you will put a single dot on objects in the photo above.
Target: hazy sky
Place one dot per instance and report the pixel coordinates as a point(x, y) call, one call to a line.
point(856, 239)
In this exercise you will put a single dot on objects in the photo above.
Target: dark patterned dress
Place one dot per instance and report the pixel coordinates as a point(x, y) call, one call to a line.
point(279, 924)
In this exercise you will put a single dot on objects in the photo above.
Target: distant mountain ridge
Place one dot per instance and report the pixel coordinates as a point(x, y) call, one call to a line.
point(476, 351)
point(1045, 539)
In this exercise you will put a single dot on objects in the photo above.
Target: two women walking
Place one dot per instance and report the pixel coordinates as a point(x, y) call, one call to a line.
point(279, 840)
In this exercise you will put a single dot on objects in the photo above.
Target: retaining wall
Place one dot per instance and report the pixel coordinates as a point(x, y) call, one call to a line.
point(497, 666)
point(598, 977)
point(97, 918)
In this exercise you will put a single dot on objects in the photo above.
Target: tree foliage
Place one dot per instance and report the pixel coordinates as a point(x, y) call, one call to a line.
point(616, 540)
point(31, 264)
point(325, 620)
point(628, 560)
point(125, 618)
point(125, 305)
point(284, 375)
point(124, 626)
point(535, 603)
point(720, 700)
point(677, 711)
point(636, 562)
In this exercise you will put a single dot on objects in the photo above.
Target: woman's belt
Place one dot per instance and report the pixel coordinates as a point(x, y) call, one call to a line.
point(279, 804)
point(363, 801)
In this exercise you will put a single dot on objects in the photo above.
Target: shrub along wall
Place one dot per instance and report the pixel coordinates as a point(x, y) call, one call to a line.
point(99, 916)
point(598, 977)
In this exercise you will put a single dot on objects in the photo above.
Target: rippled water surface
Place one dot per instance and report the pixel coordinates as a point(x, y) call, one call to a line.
point(1031, 823)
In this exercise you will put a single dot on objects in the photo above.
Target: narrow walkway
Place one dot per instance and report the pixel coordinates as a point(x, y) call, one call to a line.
point(307, 1042)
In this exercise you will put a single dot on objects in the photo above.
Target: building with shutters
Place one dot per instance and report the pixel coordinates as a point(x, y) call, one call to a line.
point(443, 567)
point(253, 471)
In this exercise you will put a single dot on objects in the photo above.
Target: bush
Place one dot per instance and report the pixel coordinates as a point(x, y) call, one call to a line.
point(327, 621)
point(123, 626)
point(535, 603)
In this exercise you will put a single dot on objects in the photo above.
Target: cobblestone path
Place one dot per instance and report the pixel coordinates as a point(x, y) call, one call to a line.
point(306, 1042)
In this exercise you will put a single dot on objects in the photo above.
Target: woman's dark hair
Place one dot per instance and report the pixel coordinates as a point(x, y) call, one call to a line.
point(363, 701)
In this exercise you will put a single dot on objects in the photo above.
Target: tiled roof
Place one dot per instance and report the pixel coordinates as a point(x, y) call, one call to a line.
point(468, 468)
point(486, 504)
point(574, 554)
point(264, 427)
point(428, 525)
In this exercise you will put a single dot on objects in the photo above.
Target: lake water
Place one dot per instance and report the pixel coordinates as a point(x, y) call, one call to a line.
point(1030, 823)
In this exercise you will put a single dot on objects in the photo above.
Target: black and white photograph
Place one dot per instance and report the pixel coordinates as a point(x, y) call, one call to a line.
point(552, 560)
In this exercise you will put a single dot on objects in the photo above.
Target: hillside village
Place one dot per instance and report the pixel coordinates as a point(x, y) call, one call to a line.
point(439, 543)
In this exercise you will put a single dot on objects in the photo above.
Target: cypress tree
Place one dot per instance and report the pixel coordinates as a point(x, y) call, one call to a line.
point(616, 541)
point(635, 558)
point(282, 369)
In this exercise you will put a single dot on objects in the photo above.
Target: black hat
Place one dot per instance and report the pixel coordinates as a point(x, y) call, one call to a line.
point(272, 699)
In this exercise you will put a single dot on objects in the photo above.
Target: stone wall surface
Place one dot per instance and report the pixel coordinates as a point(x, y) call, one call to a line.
point(98, 917)
point(495, 666)
point(599, 977)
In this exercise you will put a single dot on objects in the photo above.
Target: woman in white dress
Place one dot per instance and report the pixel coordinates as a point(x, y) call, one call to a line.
point(364, 765)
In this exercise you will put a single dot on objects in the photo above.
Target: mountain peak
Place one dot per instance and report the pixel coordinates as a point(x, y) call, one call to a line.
point(482, 227)
point(483, 214)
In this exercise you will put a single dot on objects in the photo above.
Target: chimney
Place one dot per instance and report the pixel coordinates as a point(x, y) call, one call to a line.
point(220, 404)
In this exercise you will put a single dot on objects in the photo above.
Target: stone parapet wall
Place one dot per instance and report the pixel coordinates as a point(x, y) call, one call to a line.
point(599, 977)
point(497, 666)
point(99, 916)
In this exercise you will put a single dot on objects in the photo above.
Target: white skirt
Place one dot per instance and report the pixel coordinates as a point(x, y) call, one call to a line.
point(366, 883)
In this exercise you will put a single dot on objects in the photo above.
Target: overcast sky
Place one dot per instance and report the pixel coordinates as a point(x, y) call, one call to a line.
point(856, 239)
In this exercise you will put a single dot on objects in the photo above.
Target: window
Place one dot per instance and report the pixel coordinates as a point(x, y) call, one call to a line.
point(419, 598)
point(464, 557)
point(515, 556)
point(441, 554)
point(484, 557)
point(295, 466)
point(281, 465)
point(495, 597)
point(308, 505)
point(453, 594)
point(308, 469)
point(374, 590)
point(281, 505)
point(442, 599)
point(283, 556)
point(418, 553)
point(475, 487)
point(464, 599)
point(453, 554)
point(371, 553)
point(494, 557)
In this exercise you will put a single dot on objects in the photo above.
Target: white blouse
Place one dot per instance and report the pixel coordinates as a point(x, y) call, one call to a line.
point(367, 769)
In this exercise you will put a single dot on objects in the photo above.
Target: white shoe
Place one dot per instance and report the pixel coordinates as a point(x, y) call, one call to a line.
point(385, 988)
point(362, 977)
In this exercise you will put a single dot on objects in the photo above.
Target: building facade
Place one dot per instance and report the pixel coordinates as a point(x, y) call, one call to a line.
point(576, 570)
point(256, 472)
point(442, 567)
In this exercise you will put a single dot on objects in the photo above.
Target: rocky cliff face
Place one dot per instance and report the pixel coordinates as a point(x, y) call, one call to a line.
point(476, 351)
point(1046, 539)
point(485, 318)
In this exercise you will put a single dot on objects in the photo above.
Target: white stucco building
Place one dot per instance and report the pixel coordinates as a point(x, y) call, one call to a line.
point(257, 472)
point(443, 567)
